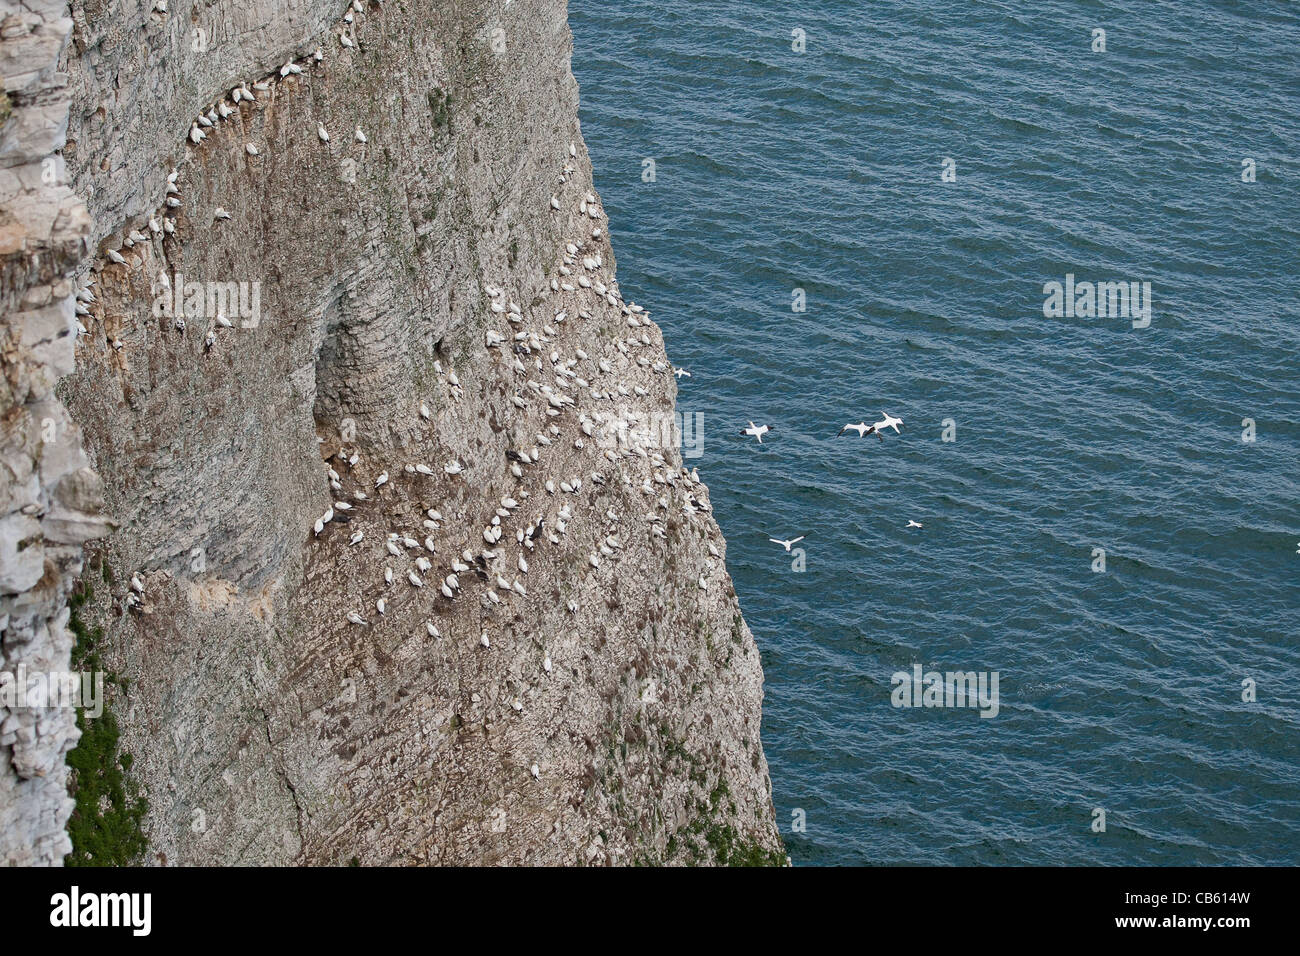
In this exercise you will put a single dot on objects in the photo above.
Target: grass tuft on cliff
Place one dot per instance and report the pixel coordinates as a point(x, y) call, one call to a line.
point(105, 825)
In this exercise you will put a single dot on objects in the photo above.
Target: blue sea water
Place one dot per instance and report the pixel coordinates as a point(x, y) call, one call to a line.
point(821, 170)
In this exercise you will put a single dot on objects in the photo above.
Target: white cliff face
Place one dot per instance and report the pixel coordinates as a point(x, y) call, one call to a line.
point(589, 694)
point(50, 501)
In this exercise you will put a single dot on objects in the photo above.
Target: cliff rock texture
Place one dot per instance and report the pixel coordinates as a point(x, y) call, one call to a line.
point(50, 501)
point(349, 330)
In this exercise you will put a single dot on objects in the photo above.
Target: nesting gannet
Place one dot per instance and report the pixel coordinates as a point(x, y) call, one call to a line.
point(787, 544)
point(381, 605)
point(356, 618)
point(453, 468)
point(758, 431)
point(382, 479)
point(360, 136)
point(322, 133)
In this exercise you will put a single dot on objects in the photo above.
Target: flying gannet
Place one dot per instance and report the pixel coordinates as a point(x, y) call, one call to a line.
point(888, 422)
point(863, 430)
point(787, 544)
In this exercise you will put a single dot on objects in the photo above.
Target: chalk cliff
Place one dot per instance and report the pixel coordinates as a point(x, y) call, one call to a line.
point(385, 258)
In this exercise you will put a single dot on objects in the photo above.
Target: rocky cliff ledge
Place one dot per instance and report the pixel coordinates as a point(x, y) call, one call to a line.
point(400, 568)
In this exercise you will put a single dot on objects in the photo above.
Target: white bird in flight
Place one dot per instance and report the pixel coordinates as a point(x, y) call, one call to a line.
point(913, 524)
point(758, 431)
point(888, 421)
point(862, 428)
point(787, 544)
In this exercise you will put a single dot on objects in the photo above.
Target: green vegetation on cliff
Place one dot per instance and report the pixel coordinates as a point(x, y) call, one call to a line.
point(105, 825)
